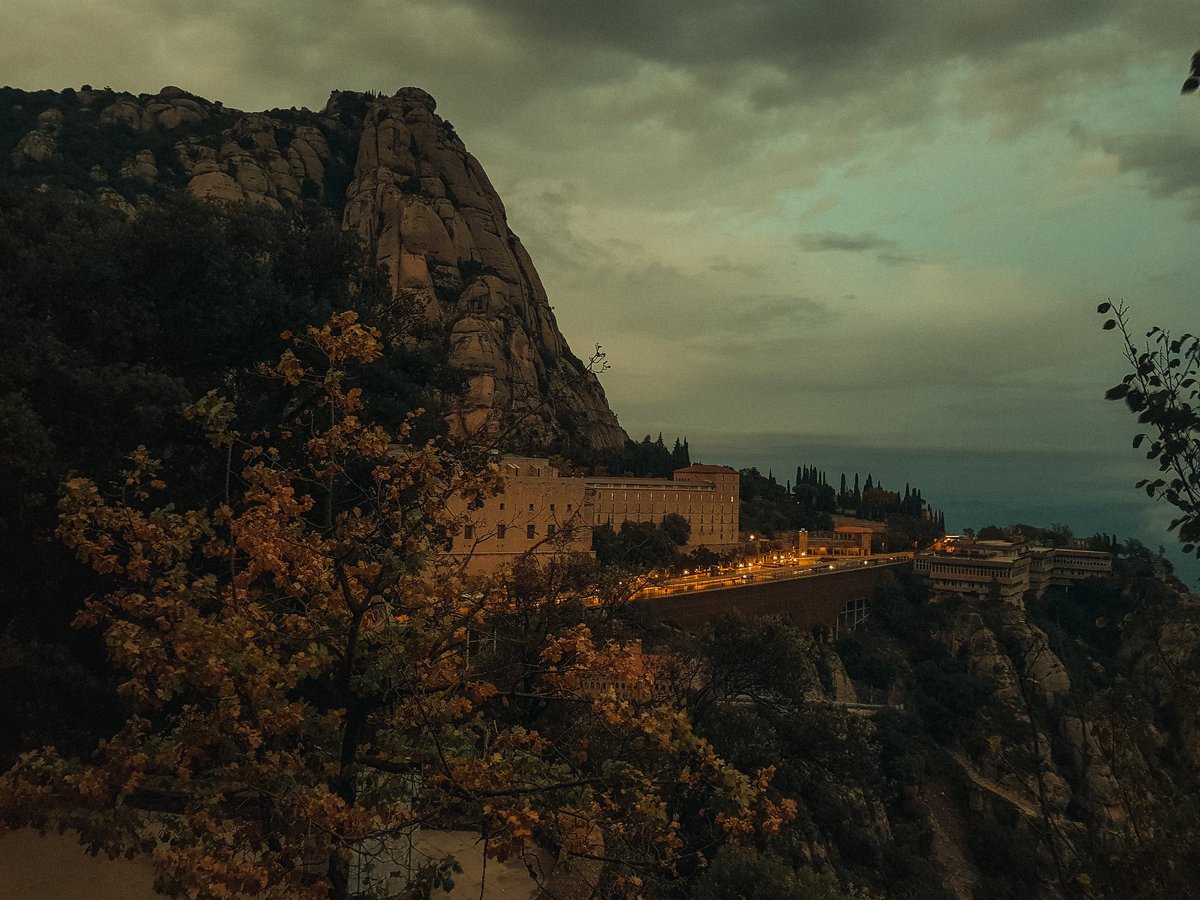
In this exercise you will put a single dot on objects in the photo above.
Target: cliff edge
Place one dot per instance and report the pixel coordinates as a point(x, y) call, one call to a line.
point(398, 176)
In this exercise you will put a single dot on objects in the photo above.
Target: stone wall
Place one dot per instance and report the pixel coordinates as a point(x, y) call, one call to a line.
point(804, 602)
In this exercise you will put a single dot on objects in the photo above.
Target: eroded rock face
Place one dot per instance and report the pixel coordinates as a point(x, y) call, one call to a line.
point(439, 228)
point(40, 144)
point(402, 181)
point(834, 678)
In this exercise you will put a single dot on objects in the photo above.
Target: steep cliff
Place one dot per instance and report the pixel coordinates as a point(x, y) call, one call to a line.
point(397, 175)
point(1058, 737)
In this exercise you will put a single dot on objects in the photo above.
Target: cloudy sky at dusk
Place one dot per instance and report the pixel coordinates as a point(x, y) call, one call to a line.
point(879, 223)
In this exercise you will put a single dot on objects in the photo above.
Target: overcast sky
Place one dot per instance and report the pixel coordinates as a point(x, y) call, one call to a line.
point(875, 222)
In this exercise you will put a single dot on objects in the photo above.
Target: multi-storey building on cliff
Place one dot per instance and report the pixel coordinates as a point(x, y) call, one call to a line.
point(1006, 569)
point(540, 512)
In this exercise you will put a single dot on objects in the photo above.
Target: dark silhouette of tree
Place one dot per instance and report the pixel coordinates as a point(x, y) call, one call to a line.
point(1193, 79)
point(1161, 391)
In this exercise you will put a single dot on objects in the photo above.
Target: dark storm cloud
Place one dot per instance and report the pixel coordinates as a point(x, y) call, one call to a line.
point(1166, 161)
point(800, 36)
point(786, 53)
point(845, 243)
point(880, 248)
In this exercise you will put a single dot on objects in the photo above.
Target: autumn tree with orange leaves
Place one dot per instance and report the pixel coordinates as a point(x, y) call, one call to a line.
point(300, 689)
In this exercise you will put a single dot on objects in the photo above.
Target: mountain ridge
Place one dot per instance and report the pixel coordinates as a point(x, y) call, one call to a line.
point(398, 176)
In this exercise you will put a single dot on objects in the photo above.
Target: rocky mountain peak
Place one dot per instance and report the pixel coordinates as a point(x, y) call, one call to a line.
point(401, 179)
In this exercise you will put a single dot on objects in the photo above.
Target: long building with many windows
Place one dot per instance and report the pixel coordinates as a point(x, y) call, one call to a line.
point(538, 512)
point(1006, 569)
point(542, 513)
point(707, 496)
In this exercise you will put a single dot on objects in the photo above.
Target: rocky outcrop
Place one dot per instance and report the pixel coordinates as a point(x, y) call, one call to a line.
point(834, 679)
point(41, 143)
point(402, 180)
point(439, 228)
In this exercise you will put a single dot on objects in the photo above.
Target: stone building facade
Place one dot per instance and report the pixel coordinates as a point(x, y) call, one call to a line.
point(538, 512)
point(707, 497)
point(543, 513)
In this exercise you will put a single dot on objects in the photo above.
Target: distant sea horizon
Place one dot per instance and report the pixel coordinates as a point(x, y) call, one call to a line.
point(1092, 491)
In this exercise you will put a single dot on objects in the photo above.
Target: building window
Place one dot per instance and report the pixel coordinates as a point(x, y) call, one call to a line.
point(501, 529)
point(550, 530)
point(501, 506)
point(568, 507)
point(551, 507)
point(530, 530)
point(468, 531)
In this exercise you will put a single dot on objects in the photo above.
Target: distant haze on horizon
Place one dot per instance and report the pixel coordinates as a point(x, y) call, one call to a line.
point(864, 224)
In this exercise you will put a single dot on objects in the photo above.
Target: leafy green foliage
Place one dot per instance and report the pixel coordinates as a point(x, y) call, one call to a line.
point(1193, 80)
point(638, 546)
point(113, 324)
point(1162, 389)
point(735, 868)
point(643, 459)
point(677, 528)
point(768, 509)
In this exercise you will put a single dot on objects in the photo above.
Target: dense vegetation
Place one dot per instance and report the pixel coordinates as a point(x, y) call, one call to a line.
point(770, 509)
point(647, 459)
point(113, 325)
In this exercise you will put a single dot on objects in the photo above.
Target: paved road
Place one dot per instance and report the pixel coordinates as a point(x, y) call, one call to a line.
point(756, 574)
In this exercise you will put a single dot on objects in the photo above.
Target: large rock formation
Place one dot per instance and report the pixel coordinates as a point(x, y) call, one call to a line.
point(399, 177)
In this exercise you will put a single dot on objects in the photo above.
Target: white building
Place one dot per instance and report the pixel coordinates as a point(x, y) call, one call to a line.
point(1008, 569)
